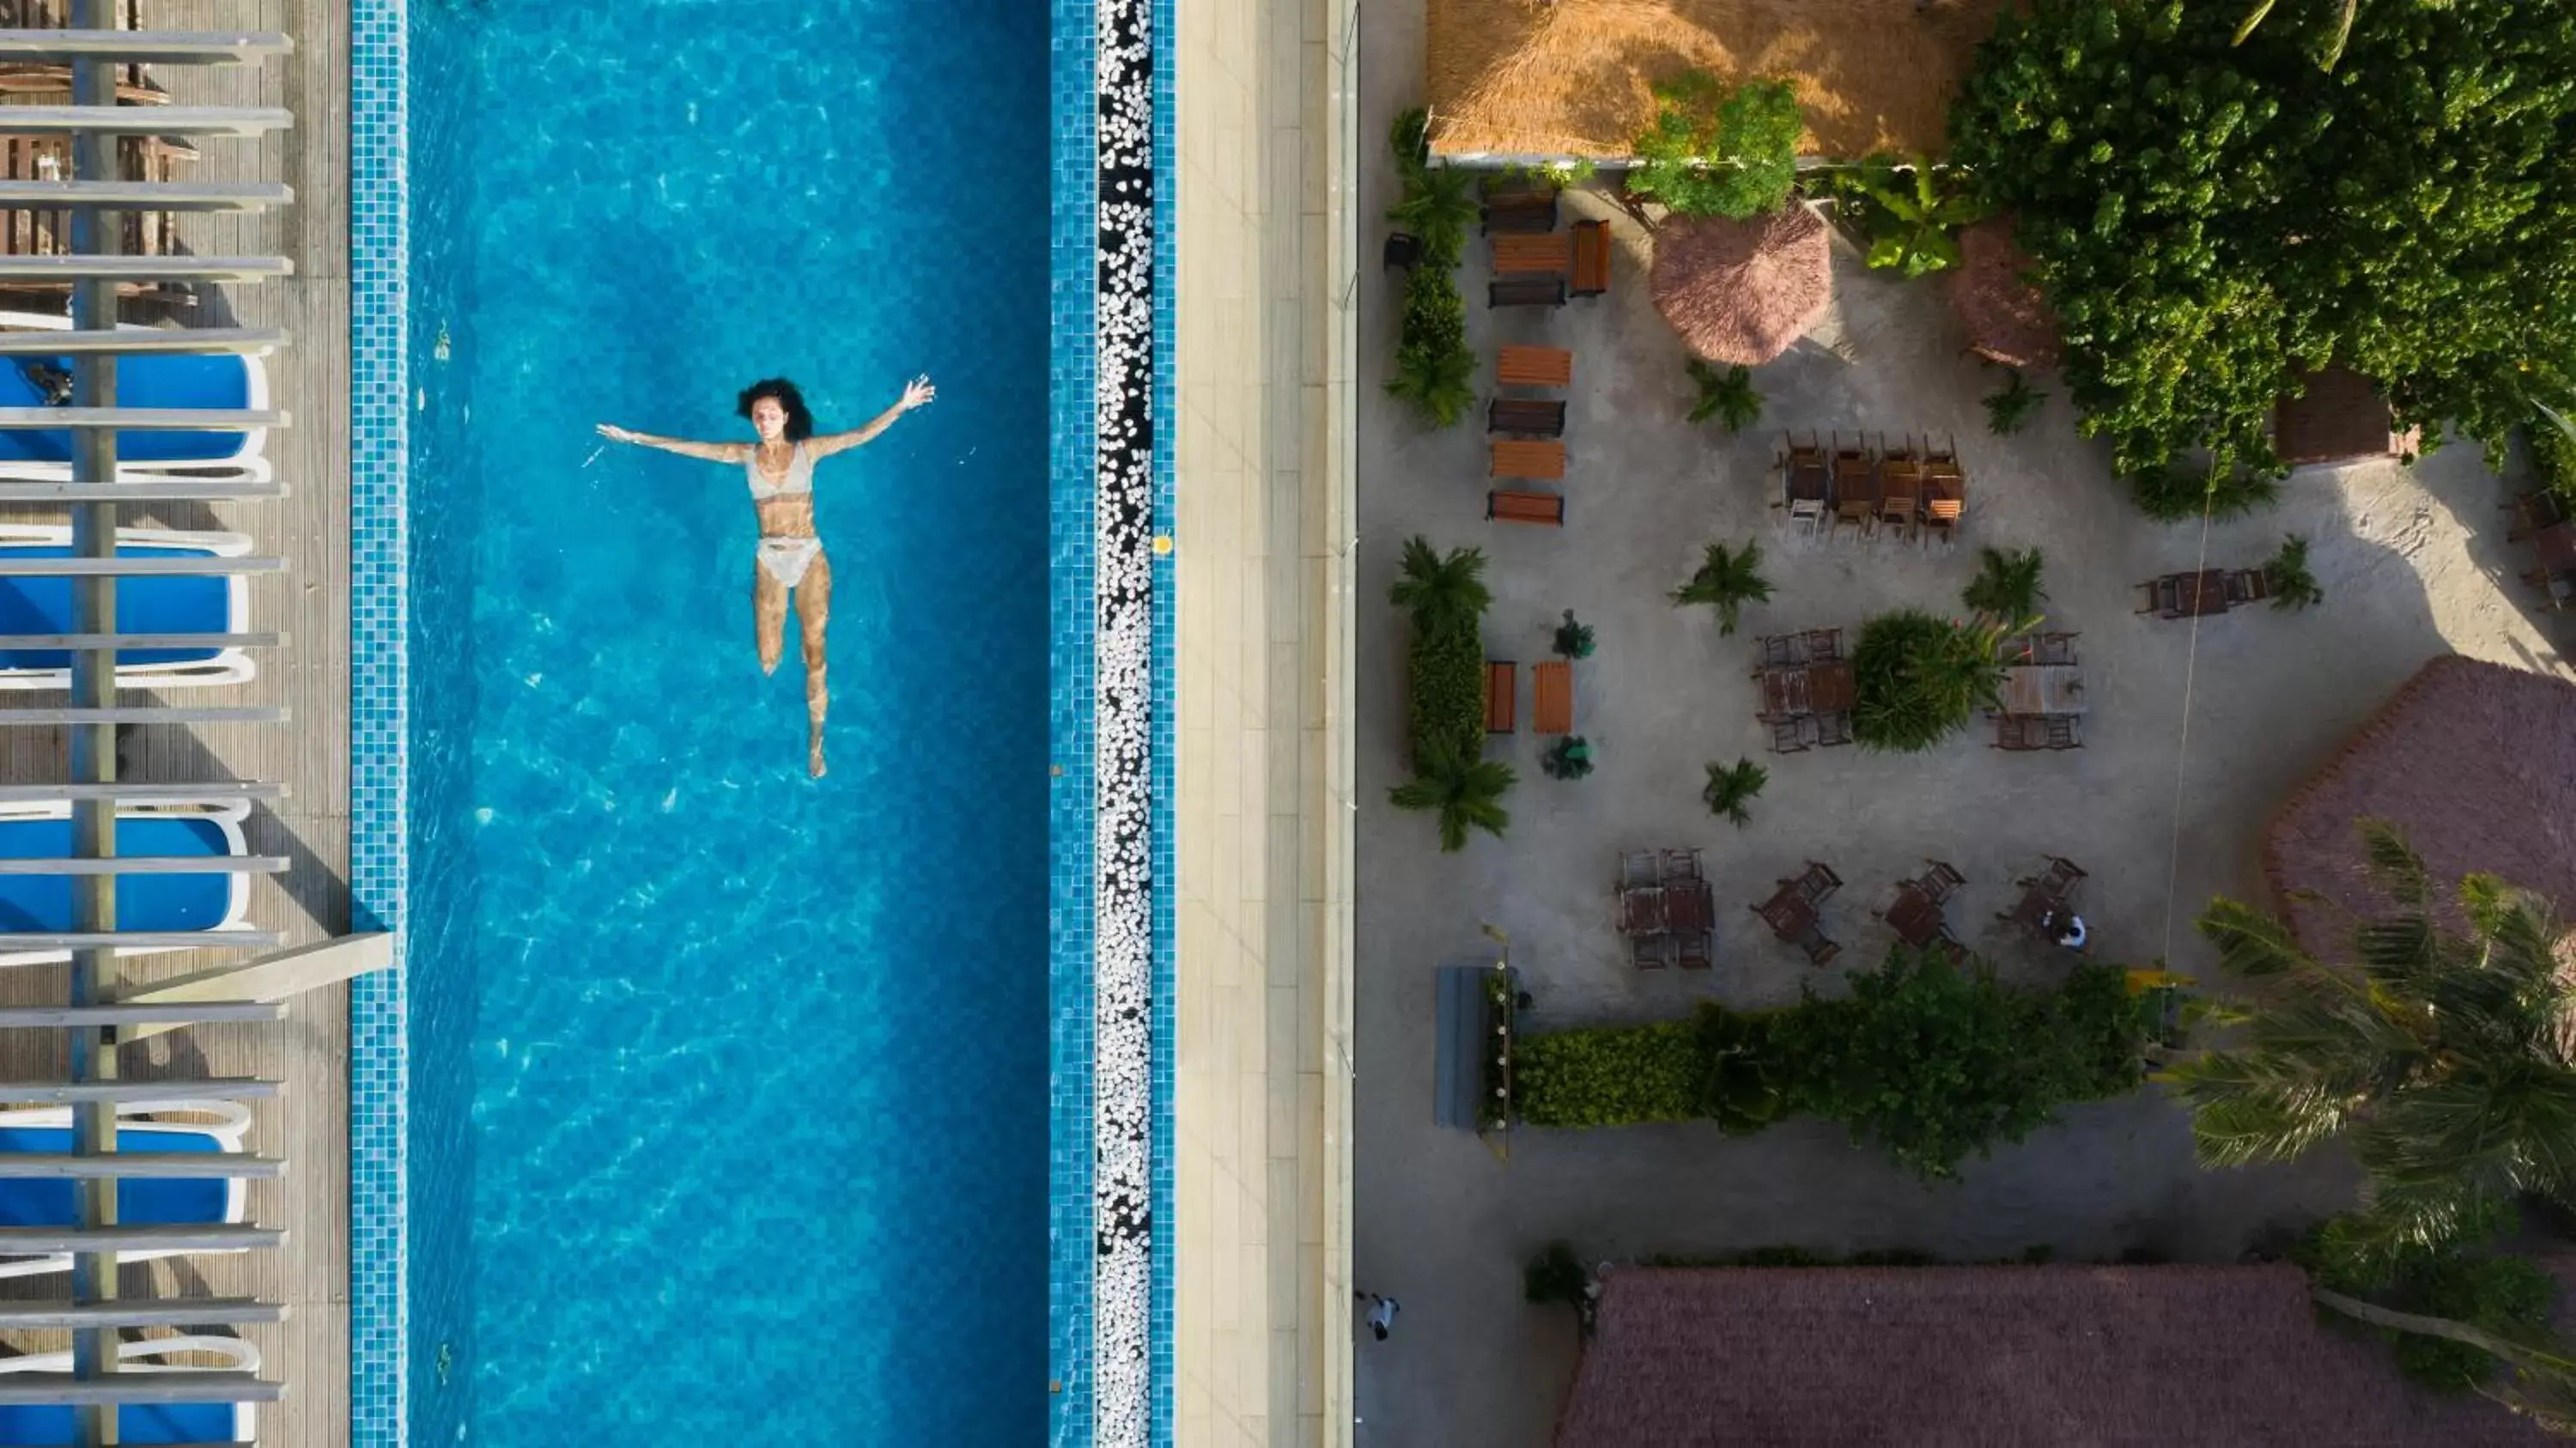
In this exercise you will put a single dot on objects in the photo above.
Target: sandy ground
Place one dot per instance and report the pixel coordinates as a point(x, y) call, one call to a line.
point(2194, 738)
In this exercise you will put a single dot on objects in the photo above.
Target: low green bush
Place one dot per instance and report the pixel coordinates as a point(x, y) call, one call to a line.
point(1448, 700)
point(1931, 1062)
point(1609, 1075)
point(1555, 1275)
point(2175, 495)
point(1918, 679)
point(1433, 368)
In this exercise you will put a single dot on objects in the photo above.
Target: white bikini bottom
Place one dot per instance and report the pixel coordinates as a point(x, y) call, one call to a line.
point(788, 558)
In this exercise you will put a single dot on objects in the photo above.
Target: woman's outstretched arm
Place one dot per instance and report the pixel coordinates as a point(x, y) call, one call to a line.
point(916, 393)
point(714, 452)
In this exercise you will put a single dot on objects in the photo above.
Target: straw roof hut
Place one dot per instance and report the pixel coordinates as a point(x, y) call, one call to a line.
point(1743, 291)
point(1573, 78)
point(2338, 417)
point(1941, 1356)
point(2007, 318)
point(2475, 762)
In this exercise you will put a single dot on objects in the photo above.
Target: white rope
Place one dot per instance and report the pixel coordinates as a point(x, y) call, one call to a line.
point(2182, 747)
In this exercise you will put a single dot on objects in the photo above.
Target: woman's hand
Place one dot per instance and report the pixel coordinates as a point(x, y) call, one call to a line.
point(918, 393)
point(614, 433)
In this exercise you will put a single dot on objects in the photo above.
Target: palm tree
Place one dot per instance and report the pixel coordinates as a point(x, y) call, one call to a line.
point(2544, 1387)
point(1728, 396)
point(1731, 788)
point(2441, 1054)
point(1727, 580)
point(1440, 383)
point(2293, 585)
point(2007, 585)
point(1464, 791)
point(1439, 588)
point(1439, 205)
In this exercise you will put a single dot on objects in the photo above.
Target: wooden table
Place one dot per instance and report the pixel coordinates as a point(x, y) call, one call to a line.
point(1689, 906)
point(2189, 595)
point(1643, 911)
point(1547, 253)
point(2043, 689)
point(1807, 480)
point(2038, 901)
point(1825, 688)
point(1788, 913)
point(2556, 546)
point(1534, 367)
point(1913, 916)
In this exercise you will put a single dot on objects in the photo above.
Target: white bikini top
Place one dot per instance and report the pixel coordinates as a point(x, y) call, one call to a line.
point(800, 475)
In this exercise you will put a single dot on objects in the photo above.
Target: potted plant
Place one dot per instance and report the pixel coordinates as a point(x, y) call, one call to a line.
point(1568, 758)
point(1573, 640)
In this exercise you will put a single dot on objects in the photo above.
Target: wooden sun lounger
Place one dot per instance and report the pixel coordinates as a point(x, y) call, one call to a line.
point(1520, 211)
point(1504, 506)
point(36, 232)
point(1546, 253)
point(1527, 416)
point(1502, 696)
point(1552, 697)
point(1538, 461)
point(1534, 367)
point(1591, 258)
point(1525, 291)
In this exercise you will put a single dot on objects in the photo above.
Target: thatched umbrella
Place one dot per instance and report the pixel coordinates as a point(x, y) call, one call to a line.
point(2008, 321)
point(1742, 291)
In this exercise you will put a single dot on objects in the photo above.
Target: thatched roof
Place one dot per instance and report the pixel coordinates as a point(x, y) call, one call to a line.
point(1572, 77)
point(2339, 418)
point(1743, 291)
point(2029, 1357)
point(2475, 762)
point(2007, 318)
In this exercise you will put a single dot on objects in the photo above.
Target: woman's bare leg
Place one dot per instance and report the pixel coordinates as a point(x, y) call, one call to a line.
point(813, 611)
point(768, 615)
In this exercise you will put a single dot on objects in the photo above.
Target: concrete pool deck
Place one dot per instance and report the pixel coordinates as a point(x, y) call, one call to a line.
point(2413, 563)
point(308, 1122)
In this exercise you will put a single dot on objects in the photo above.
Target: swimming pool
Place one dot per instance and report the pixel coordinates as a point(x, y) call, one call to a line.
point(728, 1087)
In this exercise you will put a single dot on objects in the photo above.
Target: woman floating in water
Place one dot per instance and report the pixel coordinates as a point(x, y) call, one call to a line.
point(789, 558)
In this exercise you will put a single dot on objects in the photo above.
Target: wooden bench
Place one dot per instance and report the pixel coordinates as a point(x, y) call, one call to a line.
point(1503, 506)
point(1502, 696)
point(1534, 367)
point(1525, 292)
point(1547, 253)
point(1520, 211)
point(1528, 416)
point(1552, 697)
point(1537, 461)
point(1591, 258)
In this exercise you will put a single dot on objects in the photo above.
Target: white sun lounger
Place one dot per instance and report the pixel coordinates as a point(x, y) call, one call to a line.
point(41, 904)
point(151, 603)
point(41, 1202)
point(142, 1423)
point(226, 381)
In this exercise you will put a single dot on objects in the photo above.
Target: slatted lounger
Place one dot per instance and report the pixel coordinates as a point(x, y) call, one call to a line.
point(1502, 696)
point(1520, 211)
point(1552, 696)
point(1591, 258)
point(1525, 292)
point(1541, 461)
point(1527, 416)
point(1512, 507)
point(1534, 367)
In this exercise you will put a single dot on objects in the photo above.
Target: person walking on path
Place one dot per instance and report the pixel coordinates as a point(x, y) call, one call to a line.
point(1381, 1313)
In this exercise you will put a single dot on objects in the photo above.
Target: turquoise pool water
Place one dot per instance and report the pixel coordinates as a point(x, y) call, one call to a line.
point(729, 1086)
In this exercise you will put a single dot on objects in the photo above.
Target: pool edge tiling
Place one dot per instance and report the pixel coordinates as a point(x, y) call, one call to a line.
point(379, 678)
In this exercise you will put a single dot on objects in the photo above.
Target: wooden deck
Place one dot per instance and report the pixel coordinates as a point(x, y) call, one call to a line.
point(308, 1122)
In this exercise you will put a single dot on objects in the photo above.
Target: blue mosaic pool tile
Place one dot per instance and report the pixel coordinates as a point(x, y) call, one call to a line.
point(379, 548)
point(1160, 756)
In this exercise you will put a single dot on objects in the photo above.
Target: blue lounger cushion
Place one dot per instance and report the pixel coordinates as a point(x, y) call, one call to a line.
point(42, 904)
point(136, 1423)
point(149, 381)
point(142, 1202)
point(143, 605)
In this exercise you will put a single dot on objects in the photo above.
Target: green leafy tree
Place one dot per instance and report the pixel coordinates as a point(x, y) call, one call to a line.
point(1728, 396)
point(2208, 219)
point(2293, 585)
point(2010, 410)
point(1907, 213)
point(1464, 792)
point(1726, 581)
point(1437, 587)
point(2173, 495)
point(1719, 150)
point(1918, 679)
point(2007, 584)
point(2437, 1050)
point(1731, 788)
point(2464, 1280)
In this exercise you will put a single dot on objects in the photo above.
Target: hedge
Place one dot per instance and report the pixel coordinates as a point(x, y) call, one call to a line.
point(1448, 703)
point(1929, 1061)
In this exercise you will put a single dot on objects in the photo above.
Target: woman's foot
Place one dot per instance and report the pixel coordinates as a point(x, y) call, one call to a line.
point(814, 761)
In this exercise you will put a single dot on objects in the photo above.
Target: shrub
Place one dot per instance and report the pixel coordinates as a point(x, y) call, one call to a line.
point(1731, 787)
point(1448, 703)
point(2007, 585)
point(1433, 368)
point(1555, 1275)
point(1717, 150)
point(2553, 456)
point(1740, 1074)
point(2008, 411)
point(1918, 679)
point(1464, 790)
point(1573, 640)
point(2173, 495)
point(1609, 1075)
point(1904, 214)
point(1567, 758)
point(2293, 586)
point(1728, 396)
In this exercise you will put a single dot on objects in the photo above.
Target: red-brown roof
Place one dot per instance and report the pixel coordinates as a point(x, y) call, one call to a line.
point(1996, 1357)
point(2339, 418)
point(2474, 762)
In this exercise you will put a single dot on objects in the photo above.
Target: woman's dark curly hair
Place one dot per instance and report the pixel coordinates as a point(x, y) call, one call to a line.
point(800, 422)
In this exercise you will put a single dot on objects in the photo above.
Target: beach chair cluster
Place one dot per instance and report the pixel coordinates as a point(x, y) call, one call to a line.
point(1526, 435)
point(1535, 264)
point(1863, 490)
